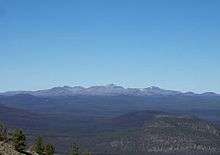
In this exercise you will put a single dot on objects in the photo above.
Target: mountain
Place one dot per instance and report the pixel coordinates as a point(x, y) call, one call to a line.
point(158, 91)
point(56, 91)
point(108, 90)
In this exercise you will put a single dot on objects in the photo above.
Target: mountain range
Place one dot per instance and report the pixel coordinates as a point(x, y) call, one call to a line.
point(107, 90)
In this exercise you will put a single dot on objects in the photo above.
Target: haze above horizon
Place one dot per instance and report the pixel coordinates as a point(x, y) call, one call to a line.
point(170, 44)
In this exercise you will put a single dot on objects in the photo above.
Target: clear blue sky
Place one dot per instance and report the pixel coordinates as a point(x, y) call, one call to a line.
point(173, 44)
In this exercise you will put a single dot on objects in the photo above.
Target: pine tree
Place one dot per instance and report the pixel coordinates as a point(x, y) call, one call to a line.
point(39, 146)
point(87, 153)
point(49, 149)
point(74, 149)
point(18, 139)
point(3, 133)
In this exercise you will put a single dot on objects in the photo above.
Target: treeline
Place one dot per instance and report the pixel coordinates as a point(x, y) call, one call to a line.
point(18, 140)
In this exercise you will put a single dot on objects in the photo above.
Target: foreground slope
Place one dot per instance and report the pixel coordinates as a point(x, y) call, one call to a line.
point(162, 134)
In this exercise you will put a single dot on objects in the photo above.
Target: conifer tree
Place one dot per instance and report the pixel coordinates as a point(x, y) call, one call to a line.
point(18, 139)
point(49, 149)
point(74, 149)
point(39, 146)
point(3, 132)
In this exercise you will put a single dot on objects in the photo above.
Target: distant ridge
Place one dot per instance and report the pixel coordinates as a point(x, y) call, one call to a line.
point(107, 90)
